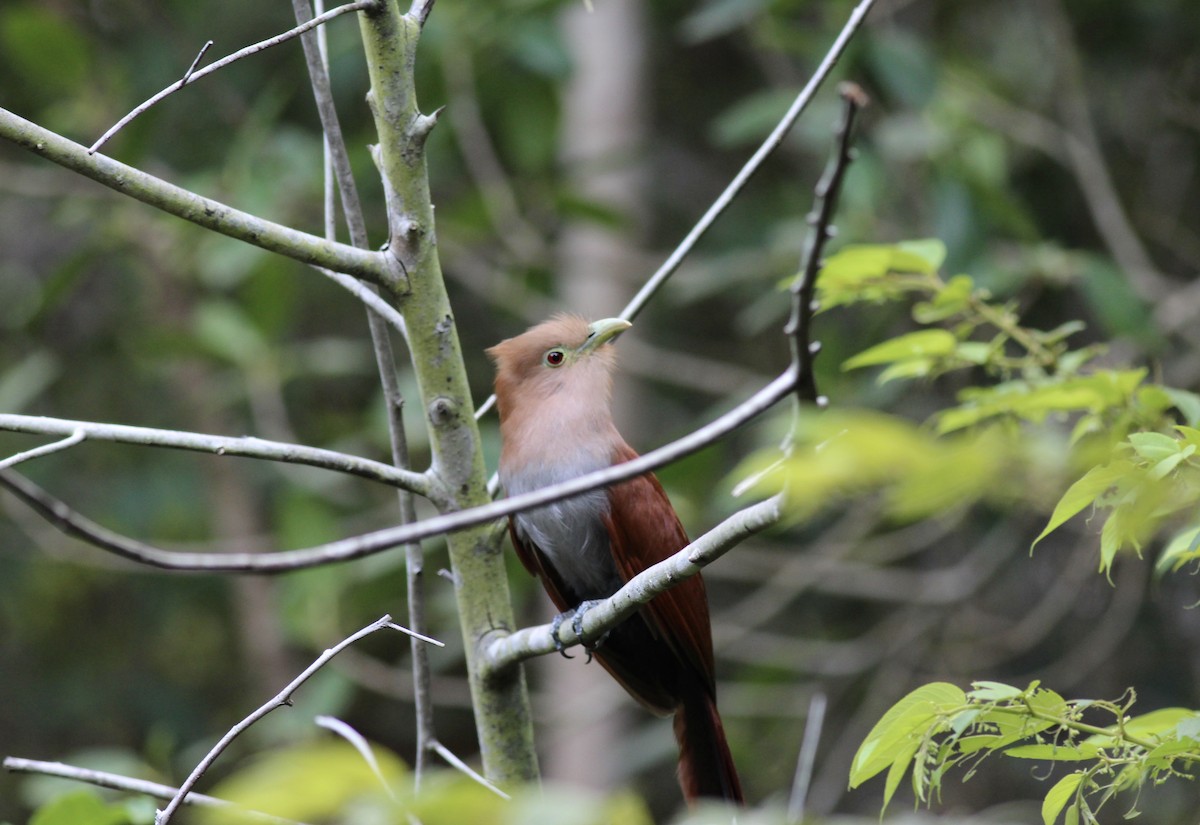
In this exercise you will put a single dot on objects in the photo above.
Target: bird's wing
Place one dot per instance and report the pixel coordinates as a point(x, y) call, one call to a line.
point(644, 530)
point(535, 562)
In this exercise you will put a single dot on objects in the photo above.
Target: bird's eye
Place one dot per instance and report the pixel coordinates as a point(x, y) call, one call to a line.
point(554, 358)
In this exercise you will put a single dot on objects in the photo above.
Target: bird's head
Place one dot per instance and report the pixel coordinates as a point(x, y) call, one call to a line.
point(559, 364)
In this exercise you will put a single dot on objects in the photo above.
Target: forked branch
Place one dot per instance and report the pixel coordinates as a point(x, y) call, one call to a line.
point(175, 200)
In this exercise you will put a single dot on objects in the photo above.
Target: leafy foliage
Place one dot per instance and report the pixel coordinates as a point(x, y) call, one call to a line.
point(939, 727)
point(1143, 475)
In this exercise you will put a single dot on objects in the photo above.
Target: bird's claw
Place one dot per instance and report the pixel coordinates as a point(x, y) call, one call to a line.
point(577, 626)
point(558, 643)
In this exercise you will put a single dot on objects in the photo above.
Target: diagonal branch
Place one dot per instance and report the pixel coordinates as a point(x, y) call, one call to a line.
point(768, 147)
point(76, 437)
point(219, 217)
point(284, 697)
point(245, 446)
point(368, 544)
point(507, 650)
point(764, 151)
point(192, 74)
point(104, 779)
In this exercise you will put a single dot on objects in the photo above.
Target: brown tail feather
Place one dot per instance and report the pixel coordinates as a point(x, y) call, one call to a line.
point(705, 765)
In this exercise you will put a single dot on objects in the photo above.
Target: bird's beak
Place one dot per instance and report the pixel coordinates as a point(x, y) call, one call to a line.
point(601, 332)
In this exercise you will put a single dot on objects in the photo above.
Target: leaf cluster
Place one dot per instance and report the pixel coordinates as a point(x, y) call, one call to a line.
point(1023, 378)
point(939, 727)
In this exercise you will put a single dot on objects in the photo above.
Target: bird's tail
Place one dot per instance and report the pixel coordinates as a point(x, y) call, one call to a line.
point(705, 765)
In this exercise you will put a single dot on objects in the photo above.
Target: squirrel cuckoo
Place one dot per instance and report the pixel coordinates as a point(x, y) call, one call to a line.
point(553, 387)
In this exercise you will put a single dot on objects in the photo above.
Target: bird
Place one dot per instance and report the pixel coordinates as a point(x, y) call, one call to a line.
point(553, 388)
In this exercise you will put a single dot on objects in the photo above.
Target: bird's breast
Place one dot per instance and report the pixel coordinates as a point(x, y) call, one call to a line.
point(570, 534)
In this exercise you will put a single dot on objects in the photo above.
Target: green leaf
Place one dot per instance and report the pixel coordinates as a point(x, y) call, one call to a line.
point(307, 782)
point(1167, 465)
point(1154, 446)
point(993, 692)
point(920, 344)
point(924, 255)
point(1054, 753)
point(79, 808)
point(906, 721)
point(1084, 492)
point(1063, 790)
point(1180, 550)
point(1186, 402)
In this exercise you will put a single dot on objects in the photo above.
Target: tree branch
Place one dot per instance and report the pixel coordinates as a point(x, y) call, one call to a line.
point(821, 221)
point(284, 697)
point(116, 782)
point(756, 160)
point(76, 436)
point(244, 446)
point(507, 650)
point(175, 200)
point(192, 74)
point(368, 544)
point(773, 141)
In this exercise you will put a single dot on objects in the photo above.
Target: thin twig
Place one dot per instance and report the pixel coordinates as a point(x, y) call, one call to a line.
point(808, 758)
point(370, 297)
point(773, 141)
point(764, 151)
point(192, 75)
point(74, 524)
point(206, 212)
point(103, 779)
point(821, 221)
point(379, 313)
point(244, 446)
point(452, 760)
point(360, 744)
point(77, 435)
point(282, 698)
point(509, 649)
point(192, 68)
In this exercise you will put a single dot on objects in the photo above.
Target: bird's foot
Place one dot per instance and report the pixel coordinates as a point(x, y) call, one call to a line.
point(558, 643)
point(577, 626)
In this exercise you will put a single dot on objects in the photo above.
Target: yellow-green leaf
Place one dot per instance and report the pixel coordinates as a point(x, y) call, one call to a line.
point(1084, 492)
point(923, 343)
point(1063, 790)
point(909, 719)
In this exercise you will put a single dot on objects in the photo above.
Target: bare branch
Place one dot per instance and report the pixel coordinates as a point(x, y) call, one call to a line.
point(360, 744)
point(368, 544)
point(773, 141)
point(821, 221)
point(370, 297)
point(282, 698)
point(175, 200)
point(764, 151)
point(116, 782)
point(245, 446)
point(808, 757)
point(453, 761)
point(71, 440)
point(536, 641)
point(192, 75)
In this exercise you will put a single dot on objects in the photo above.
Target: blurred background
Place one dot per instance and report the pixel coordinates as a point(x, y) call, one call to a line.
point(1051, 144)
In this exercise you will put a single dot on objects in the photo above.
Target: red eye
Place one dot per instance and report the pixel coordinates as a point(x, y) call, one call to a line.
point(554, 358)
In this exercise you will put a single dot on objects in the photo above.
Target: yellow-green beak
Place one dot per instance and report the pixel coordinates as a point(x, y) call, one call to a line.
point(601, 332)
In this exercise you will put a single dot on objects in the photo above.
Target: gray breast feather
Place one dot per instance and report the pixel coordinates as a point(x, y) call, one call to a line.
point(572, 536)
